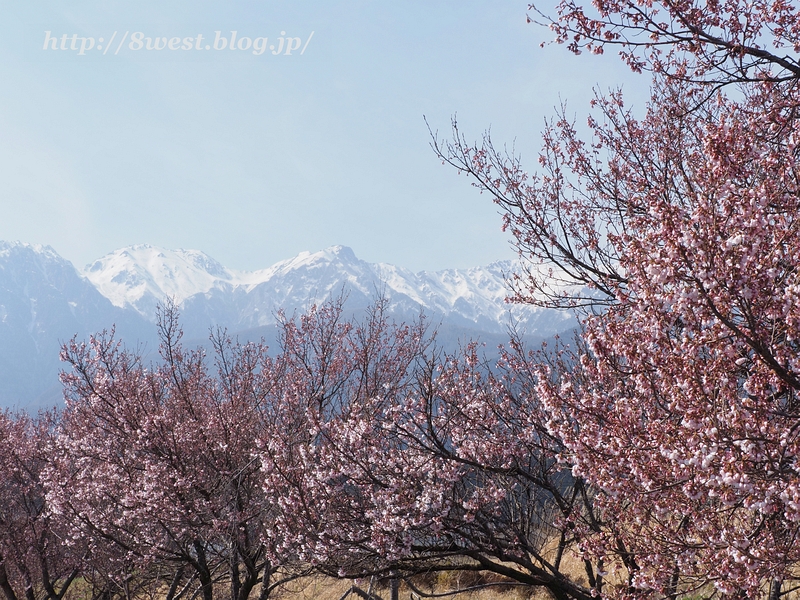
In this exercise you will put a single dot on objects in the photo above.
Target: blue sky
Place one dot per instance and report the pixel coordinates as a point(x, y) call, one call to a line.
point(253, 158)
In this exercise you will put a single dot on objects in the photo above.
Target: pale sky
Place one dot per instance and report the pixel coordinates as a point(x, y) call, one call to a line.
point(253, 158)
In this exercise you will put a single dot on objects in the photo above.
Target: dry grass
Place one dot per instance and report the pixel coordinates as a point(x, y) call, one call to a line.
point(325, 588)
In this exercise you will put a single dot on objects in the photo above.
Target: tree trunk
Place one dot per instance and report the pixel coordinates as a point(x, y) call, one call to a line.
point(775, 589)
point(203, 572)
point(265, 580)
point(176, 581)
point(236, 582)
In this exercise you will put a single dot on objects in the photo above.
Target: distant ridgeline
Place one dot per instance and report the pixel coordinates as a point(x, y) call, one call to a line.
point(45, 301)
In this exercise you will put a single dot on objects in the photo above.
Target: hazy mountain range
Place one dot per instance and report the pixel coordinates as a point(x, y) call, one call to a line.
point(45, 300)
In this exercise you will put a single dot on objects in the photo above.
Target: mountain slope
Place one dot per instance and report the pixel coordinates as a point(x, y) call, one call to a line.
point(45, 301)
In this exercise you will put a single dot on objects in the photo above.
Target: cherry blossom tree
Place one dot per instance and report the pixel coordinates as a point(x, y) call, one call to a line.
point(392, 459)
point(163, 477)
point(359, 450)
point(685, 411)
point(716, 43)
point(677, 234)
point(333, 373)
point(33, 563)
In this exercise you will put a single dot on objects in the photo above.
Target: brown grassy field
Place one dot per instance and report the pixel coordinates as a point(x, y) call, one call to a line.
point(326, 588)
point(322, 588)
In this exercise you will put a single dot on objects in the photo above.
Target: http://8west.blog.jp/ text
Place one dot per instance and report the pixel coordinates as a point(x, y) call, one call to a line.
point(282, 45)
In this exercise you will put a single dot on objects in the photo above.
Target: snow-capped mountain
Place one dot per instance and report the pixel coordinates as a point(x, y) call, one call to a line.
point(140, 277)
point(45, 301)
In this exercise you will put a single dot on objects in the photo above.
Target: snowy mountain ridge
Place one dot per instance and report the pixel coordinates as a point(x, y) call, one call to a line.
point(45, 301)
point(127, 275)
point(142, 276)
